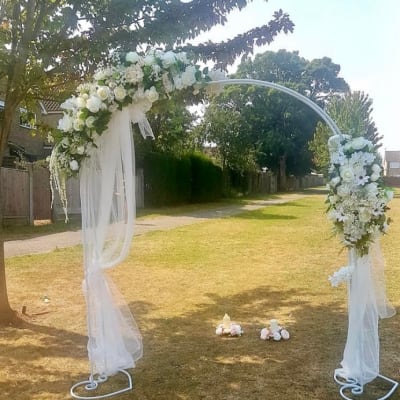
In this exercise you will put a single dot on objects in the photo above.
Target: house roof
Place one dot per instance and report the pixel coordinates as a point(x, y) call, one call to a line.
point(50, 107)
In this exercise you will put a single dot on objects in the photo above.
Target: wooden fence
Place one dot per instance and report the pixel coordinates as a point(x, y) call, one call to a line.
point(25, 195)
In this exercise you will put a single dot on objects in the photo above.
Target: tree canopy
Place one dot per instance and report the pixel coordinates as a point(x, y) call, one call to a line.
point(46, 47)
point(275, 127)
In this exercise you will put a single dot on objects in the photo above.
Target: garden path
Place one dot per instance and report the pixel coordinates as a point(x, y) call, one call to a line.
point(47, 243)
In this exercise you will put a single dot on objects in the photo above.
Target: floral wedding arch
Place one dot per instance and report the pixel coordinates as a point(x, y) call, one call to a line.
point(94, 141)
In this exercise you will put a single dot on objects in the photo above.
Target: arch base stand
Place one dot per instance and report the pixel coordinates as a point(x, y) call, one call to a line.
point(93, 383)
point(357, 389)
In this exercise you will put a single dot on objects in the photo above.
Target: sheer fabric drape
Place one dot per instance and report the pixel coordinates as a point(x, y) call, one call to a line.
point(107, 188)
point(367, 302)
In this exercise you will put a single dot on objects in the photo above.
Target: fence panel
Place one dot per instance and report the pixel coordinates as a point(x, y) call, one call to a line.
point(41, 193)
point(15, 195)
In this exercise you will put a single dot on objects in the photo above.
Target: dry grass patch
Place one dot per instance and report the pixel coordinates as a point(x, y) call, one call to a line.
point(271, 263)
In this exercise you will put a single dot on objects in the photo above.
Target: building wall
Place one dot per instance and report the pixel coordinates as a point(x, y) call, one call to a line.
point(30, 140)
point(392, 163)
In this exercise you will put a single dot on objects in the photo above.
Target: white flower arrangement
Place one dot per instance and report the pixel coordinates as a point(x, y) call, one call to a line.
point(341, 275)
point(233, 330)
point(128, 79)
point(357, 200)
point(228, 328)
point(275, 332)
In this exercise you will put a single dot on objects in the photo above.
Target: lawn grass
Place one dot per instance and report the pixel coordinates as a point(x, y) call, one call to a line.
point(271, 263)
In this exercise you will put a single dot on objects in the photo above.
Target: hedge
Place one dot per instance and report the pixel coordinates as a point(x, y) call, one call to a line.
point(170, 181)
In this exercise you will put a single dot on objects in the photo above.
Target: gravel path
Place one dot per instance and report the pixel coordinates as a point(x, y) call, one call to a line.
point(47, 243)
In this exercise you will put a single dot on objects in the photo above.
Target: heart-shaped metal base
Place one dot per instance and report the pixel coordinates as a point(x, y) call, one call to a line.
point(94, 382)
point(356, 388)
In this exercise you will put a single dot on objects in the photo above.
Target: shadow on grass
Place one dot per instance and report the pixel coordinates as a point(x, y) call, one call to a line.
point(39, 360)
point(184, 359)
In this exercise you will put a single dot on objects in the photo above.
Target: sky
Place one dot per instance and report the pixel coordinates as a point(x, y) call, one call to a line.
point(362, 36)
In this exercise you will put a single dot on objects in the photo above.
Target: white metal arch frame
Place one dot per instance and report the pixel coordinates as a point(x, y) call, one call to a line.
point(350, 384)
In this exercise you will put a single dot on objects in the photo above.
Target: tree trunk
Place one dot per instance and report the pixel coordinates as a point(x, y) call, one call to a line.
point(282, 173)
point(7, 315)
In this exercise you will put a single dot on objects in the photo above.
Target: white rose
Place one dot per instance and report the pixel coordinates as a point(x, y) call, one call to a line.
point(347, 173)
point(73, 164)
point(80, 149)
point(100, 75)
point(119, 93)
point(376, 168)
point(343, 190)
point(168, 59)
point(372, 188)
point(78, 124)
point(132, 57)
point(375, 176)
point(93, 104)
point(152, 94)
point(358, 143)
point(285, 334)
point(189, 77)
point(236, 330)
point(264, 334)
point(134, 74)
point(149, 59)
point(90, 121)
point(103, 92)
point(65, 123)
point(277, 336)
point(81, 101)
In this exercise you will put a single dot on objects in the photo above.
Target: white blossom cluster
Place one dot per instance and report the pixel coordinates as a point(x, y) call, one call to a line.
point(342, 275)
point(131, 79)
point(357, 199)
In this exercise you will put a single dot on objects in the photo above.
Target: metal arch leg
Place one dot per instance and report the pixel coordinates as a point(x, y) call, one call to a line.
point(93, 383)
point(356, 388)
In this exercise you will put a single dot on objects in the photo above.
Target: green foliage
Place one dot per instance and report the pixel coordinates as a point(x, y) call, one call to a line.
point(170, 180)
point(255, 127)
point(167, 179)
point(206, 179)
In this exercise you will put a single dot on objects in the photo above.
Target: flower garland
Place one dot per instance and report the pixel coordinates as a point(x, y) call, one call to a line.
point(128, 79)
point(357, 200)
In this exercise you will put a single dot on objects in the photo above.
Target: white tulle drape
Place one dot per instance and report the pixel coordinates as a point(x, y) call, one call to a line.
point(367, 302)
point(107, 187)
